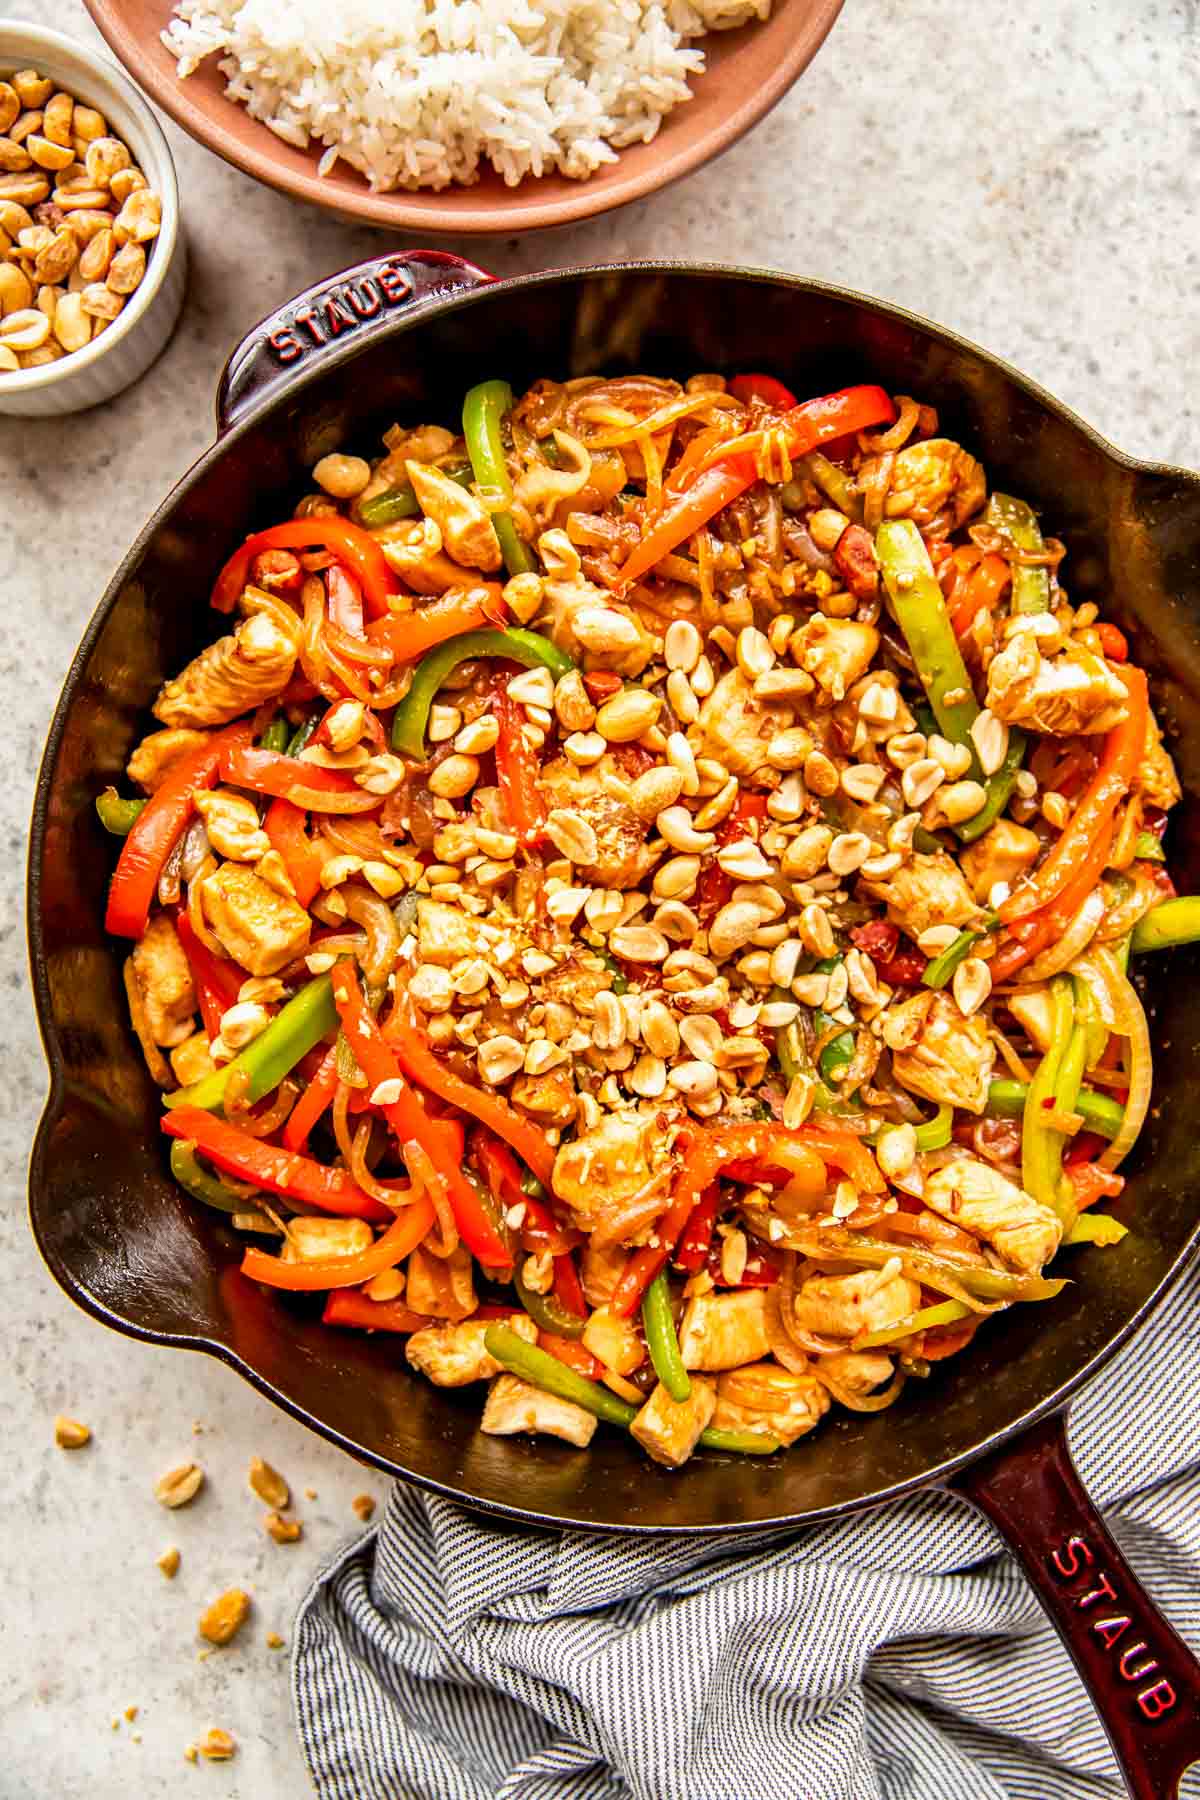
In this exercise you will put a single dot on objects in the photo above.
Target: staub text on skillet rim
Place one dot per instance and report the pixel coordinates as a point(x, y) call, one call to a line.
point(127, 1246)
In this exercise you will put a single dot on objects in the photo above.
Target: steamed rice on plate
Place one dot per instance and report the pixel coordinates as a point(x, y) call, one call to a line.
point(417, 93)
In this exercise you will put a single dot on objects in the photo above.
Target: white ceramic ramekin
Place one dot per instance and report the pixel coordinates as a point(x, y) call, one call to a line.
point(125, 351)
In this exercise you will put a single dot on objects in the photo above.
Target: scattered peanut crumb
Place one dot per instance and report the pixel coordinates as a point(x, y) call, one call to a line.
point(310, 1493)
point(178, 1487)
point(197, 1428)
point(168, 1562)
point(116, 1724)
point(203, 1655)
point(269, 1484)
point(135, 1737)
point(69, 1434)
point(284, 1531)
point(222, 1621)
point(131, 1713)
point(191, 1754)
point(218, 1746)
point(274, 1641)
point(364, 1506)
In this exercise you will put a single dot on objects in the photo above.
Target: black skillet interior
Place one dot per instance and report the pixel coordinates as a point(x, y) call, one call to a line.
point(125, 1242)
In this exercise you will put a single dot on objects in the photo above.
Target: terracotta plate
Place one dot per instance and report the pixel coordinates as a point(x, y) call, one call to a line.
point(748, 72)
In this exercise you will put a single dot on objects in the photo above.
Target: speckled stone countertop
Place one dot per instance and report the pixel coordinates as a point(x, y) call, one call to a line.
point(1024, 173)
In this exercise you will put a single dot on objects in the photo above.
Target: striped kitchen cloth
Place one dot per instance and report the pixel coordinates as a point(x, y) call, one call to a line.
point(891, 1655)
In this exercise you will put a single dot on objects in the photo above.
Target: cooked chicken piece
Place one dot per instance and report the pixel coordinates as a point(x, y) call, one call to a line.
point(723, 1329)
point(164, 981)
point(614, 1340)
point(550, 1099)
point(454, 1355)
point(735, 726)
point(261, 929)
point(157, 755)
point(231, 822)
point(835, 652)
point(600, 1171)
point(190, 1060)
point(252, 664)
point(939, 1052)
point(542, 487)
point(977, 1197)
point(936, 479)
point(413, 548)
point(858, 1371)
point(1034, 1012)
point(513, 1406)
point(924, 891)
point(669, 1430)
point(1003, 853)
point(1072, 690)
point(442, 1287)
point(840, 1306)
point(468, 535)
point(622, 859)
point(766, 1398)
point(445, 935)
point(600, 1270)
point(1156, 779)
point(315, 1240)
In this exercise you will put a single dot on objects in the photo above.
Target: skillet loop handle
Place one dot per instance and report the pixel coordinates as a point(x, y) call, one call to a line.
point(1143, 1679)
point(355, 303)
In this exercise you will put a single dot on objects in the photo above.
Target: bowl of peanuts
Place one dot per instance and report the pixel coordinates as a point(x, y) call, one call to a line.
point(92, 258)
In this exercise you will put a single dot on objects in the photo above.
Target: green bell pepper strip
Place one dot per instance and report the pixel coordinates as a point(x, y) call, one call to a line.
point(946, 1312)
point(839, 1051)
point(547, 1312)
point(1147, 847)
point(999, 790)
point(115, 814)
point(276, 736)
point(546, 1372)
point(1174, 922)
point(296, 1028)
point(1016, 520)
point(196, 1180)
point(983, 1283)
point(532, 1186)
point(935, 1133)
point(938, 972)
point(835, 483)
point(484, 410)
point(529, 648)
point(921, 614)
point(661, 1339)
point(1006, 1100)
point(303, 734)
point(1067, 1084)
point(1096, 1228)
point(1041, 1148)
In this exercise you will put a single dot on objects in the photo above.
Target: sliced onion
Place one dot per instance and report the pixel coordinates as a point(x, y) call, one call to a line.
point(426, 1179)
point(383, 935)
point(323, 800)
point(170, 875)
point(860, 1403)
point(875, 479)
point(897, 435)
point(1074, 940)
point(639, 1211)
point(1144, 894)
point(1132, 1024)
point(357, 837)
point(783, 1349)
point(241, 1113)
point(194, 850)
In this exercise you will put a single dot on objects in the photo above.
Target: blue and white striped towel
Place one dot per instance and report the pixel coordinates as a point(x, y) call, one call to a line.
point(892, 1655)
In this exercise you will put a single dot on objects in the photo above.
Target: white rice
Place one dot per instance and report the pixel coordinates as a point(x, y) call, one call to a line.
point(415, 93)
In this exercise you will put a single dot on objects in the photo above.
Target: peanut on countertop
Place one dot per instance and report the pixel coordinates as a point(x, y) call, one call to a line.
point(78, 221)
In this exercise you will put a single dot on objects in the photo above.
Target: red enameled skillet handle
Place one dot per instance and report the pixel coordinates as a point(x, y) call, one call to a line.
point(354, 303)
point(1142, 1677)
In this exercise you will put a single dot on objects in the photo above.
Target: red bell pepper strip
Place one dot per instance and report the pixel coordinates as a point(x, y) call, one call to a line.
point(422, 1066)
point(408, 635)
point(572, 1353)
point(517, 769)
point(567, 1288)
point(715, 887)
point(1031, 935)
point(401, 1237)
point(350, 1306)
point(696, 1241)
point(313, 1103)
point(539, 1228)
point(268, 1166)
point(350, 544)
point(1123, 749)
point(217, 982)
point(846, 1152)
point(765, 388)
point(735, 469)
point(878, 940)
point(981, 588)
point(408, 1119)
point(303, 858)
point(154, 831)
point(1113, 642)
point(270, 772)
point(645, 1263)
point(345, 601)
point(1092, 1183)
point(906, 969)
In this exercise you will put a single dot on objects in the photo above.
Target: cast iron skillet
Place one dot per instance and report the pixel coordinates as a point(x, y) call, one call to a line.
point(402, 338)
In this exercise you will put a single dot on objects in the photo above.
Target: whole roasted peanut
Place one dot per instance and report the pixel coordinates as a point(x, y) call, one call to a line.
point(72, 326)
point(32, 89)
point(96, 256)
point(126, 269)
point(10, 104)
point(105, 157)
point(56, 259)
point(12, 155)
point(48, 155)
point(56, 119)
